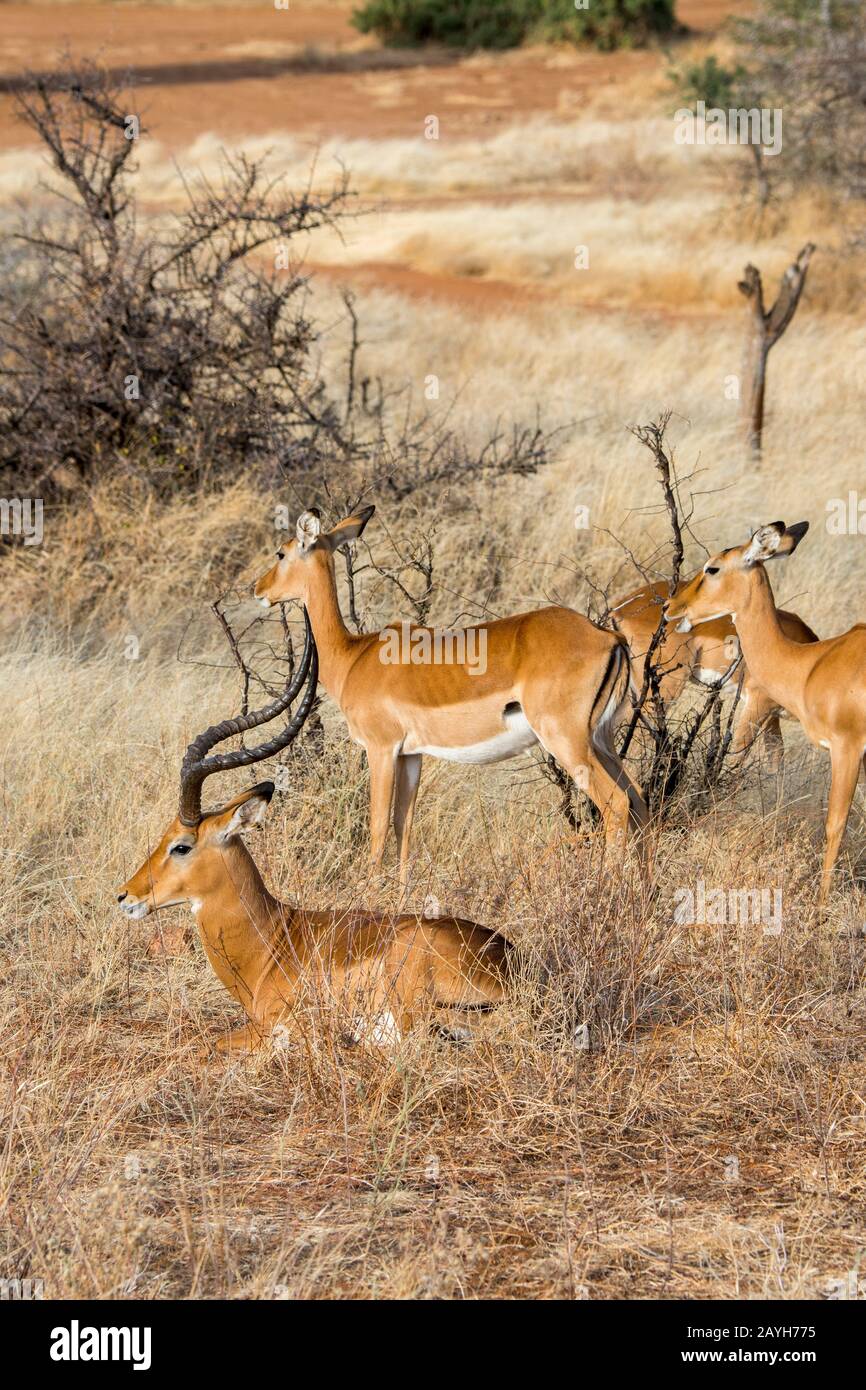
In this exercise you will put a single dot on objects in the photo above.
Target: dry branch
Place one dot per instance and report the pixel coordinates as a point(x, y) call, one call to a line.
point(766, 327)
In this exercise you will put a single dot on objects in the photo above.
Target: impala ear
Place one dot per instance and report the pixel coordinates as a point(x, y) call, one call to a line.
point(764, 544)
point(773, 542)
point(349, 529)
point(308, 529)
point(791, 539)
point(247, 810)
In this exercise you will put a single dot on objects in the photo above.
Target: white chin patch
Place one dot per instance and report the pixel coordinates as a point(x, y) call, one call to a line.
point(684, 625)
point(265, 602)
point(135, 910)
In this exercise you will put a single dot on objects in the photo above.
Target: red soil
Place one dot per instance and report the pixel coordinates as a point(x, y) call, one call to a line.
point(240, 72)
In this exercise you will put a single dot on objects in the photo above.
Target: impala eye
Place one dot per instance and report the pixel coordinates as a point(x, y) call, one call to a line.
point(711, 569)
point(180, 849)
point(280, 555)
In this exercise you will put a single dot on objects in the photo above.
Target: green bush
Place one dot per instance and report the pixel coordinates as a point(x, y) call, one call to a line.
point(709, 82)
point(608, 24)
point(457, 23)
point(506, 23)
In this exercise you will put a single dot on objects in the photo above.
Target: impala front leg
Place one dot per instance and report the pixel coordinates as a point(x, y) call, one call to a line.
point(381, 762)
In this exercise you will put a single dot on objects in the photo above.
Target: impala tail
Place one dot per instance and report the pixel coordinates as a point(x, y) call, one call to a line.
point(607, 709)
point(612, 695)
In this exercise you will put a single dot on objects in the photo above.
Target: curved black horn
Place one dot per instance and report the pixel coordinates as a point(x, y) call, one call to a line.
point(196, 766)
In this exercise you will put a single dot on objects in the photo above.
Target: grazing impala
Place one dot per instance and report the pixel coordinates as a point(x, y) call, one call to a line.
point(550, 677)
point(381, 973)
point(822, 683)
point(707, 654)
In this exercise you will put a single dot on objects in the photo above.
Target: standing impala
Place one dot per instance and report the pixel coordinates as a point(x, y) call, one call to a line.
point(550, 677)
point(707, 654)
point(822, 683)
point(382, 973)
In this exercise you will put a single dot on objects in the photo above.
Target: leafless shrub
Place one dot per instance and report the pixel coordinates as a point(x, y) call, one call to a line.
point(681, 760)
point(162, 350)
point(183, 352)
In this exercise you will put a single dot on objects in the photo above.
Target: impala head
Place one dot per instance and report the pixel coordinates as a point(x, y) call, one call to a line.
point(298, 559)
point(189, 863)
point(721, 588)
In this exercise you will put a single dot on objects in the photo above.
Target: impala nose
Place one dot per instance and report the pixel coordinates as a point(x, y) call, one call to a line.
point(120, 897)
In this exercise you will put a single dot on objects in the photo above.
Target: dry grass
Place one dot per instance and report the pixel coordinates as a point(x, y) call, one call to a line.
point(523, 1165)
point(519, 1167)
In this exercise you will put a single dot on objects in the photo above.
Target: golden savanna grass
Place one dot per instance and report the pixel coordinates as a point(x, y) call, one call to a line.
point(708, 1142)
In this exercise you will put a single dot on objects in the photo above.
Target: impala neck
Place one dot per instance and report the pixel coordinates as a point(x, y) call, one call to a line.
point(237, 922)
point(337, 646)
point(777, 663)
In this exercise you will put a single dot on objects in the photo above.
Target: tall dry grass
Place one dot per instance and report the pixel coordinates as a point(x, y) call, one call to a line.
point(523, 1165)
point(708, 1141)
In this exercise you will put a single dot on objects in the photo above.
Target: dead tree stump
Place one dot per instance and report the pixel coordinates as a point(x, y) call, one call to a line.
point(766, 327)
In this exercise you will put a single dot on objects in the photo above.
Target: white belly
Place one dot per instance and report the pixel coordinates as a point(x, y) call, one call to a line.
point(515, 738)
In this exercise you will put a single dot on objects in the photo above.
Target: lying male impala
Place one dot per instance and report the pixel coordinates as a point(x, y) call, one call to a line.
point(707, 655)
point(381, 973)
point(551, 678)
point(822, 683)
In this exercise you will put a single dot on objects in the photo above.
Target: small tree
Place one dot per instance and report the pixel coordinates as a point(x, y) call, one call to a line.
point(808, 57)
point(766, 327)
point(726, 89)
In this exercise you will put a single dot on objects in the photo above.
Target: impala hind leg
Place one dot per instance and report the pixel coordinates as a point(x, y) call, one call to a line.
point(843, 784)
point(637, 807)
point(407, 778)
point(584, 765)
point(611, 796)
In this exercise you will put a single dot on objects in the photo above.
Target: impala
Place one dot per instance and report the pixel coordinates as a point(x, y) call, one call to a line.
point(382, 973)
point(822, 683)
point(707, 655)
point(550, 677)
